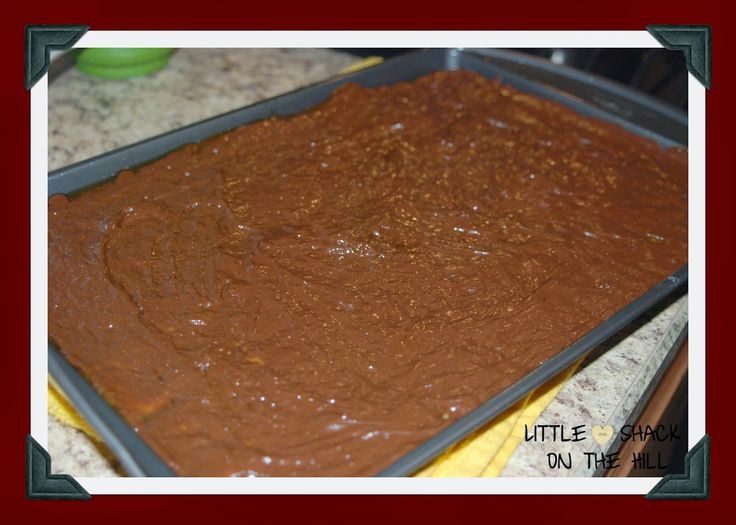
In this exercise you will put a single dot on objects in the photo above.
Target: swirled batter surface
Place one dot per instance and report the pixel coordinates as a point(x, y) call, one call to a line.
point(317, 295)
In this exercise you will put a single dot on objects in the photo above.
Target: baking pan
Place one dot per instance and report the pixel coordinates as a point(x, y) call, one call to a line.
point(585, 94)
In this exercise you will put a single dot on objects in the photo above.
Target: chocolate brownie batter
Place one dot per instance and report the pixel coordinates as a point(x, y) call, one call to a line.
point(317, 295)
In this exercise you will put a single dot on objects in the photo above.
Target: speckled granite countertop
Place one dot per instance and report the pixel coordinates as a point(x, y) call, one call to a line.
point(89, 116)
point(605, 390)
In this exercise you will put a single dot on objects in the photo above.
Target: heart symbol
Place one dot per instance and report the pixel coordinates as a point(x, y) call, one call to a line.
point(602, 434)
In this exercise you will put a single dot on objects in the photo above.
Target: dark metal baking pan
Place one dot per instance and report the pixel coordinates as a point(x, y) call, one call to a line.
point(135, 456)
point(631, 105)
point(586, 95)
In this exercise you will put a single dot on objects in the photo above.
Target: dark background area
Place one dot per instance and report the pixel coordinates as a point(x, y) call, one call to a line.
point(658, 72)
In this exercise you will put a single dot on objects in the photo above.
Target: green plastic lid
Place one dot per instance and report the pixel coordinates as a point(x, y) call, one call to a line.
point(122, 62)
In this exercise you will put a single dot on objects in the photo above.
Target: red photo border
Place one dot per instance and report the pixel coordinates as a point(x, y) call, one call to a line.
point(560, 15)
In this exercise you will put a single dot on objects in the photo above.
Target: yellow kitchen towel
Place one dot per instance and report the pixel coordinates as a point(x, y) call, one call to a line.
point(483, 454)
point(486, 452)
point(62, 410)
point(366, 62)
